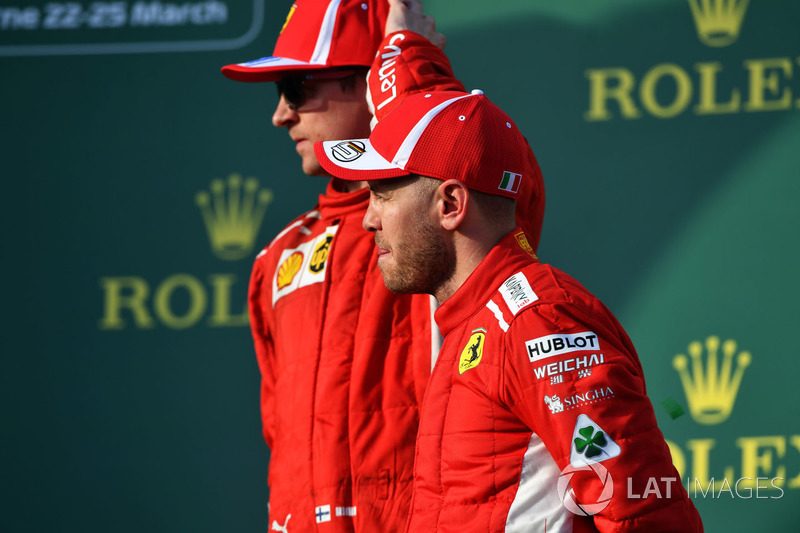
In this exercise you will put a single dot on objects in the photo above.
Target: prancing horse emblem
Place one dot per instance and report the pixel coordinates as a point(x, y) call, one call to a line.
point(473, 351)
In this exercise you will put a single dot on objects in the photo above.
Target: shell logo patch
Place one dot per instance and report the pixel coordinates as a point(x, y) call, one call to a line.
point(320, 255)
point(473, 352)
point(289, 269)
point(303, 266)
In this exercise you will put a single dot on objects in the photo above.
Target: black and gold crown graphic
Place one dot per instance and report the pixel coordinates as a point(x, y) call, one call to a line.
point(718, 21)
point(233, 212)
point(711, 389)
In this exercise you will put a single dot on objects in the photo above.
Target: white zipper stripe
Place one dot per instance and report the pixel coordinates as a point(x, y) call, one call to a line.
point(536, 505)
point(498, 314)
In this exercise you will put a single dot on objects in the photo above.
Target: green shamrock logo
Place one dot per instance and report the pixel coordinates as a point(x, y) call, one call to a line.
point(591, 442)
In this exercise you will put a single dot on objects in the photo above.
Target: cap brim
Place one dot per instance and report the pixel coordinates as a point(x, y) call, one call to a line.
point(270, 68)
point(355, 160)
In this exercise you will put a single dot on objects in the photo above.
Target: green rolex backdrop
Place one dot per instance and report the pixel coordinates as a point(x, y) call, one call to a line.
point(140, 183)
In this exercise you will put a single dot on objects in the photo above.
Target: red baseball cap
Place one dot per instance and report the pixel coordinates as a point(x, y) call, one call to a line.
point(445, 135)
point(320, 34)
point(439, 134)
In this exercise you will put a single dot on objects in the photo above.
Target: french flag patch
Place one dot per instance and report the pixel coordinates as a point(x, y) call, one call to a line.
point(510, 182)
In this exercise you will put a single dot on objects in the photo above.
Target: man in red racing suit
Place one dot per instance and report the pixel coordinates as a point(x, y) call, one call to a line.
point(536, 416)
point(343, 361)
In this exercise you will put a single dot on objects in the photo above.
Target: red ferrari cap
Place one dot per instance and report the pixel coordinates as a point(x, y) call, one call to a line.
point(439, 134)
point(320, 34)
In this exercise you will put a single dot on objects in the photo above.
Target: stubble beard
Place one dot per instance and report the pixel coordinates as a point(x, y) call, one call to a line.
point(422, 263)
point(312, 167)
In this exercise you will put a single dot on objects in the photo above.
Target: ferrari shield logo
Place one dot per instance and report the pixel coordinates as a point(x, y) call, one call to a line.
point(473, 351)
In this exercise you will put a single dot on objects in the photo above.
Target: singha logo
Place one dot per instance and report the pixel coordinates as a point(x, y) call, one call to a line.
point(554, 403)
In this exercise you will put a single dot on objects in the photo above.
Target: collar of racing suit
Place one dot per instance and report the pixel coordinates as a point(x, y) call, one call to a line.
point(506, 258)
point(334, 204)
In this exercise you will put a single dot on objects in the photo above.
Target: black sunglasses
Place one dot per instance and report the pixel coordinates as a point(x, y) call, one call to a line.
point(293, 87)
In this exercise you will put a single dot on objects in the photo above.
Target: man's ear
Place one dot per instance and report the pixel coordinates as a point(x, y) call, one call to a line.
point(451, 203)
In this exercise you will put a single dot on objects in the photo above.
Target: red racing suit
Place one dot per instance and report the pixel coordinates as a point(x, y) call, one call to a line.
point(344, 362)
point(536, 417)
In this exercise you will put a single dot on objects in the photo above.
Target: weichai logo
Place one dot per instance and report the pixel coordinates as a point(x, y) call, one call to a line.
point(232, 211)
point(667, 90)
point(712, 372)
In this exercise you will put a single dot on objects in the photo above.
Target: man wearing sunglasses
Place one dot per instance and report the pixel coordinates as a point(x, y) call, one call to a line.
point(344, 362)
point(315, 105)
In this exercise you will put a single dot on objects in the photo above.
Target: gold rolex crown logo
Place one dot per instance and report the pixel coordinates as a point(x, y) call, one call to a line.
point(711, 391)
point(233, 212)
point(718, 21)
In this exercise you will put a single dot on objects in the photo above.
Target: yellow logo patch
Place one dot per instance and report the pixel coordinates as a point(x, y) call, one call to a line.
point(289, 17)
point(320, 256)
point(289, 269)
point(522, 240)
point(473, 352)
